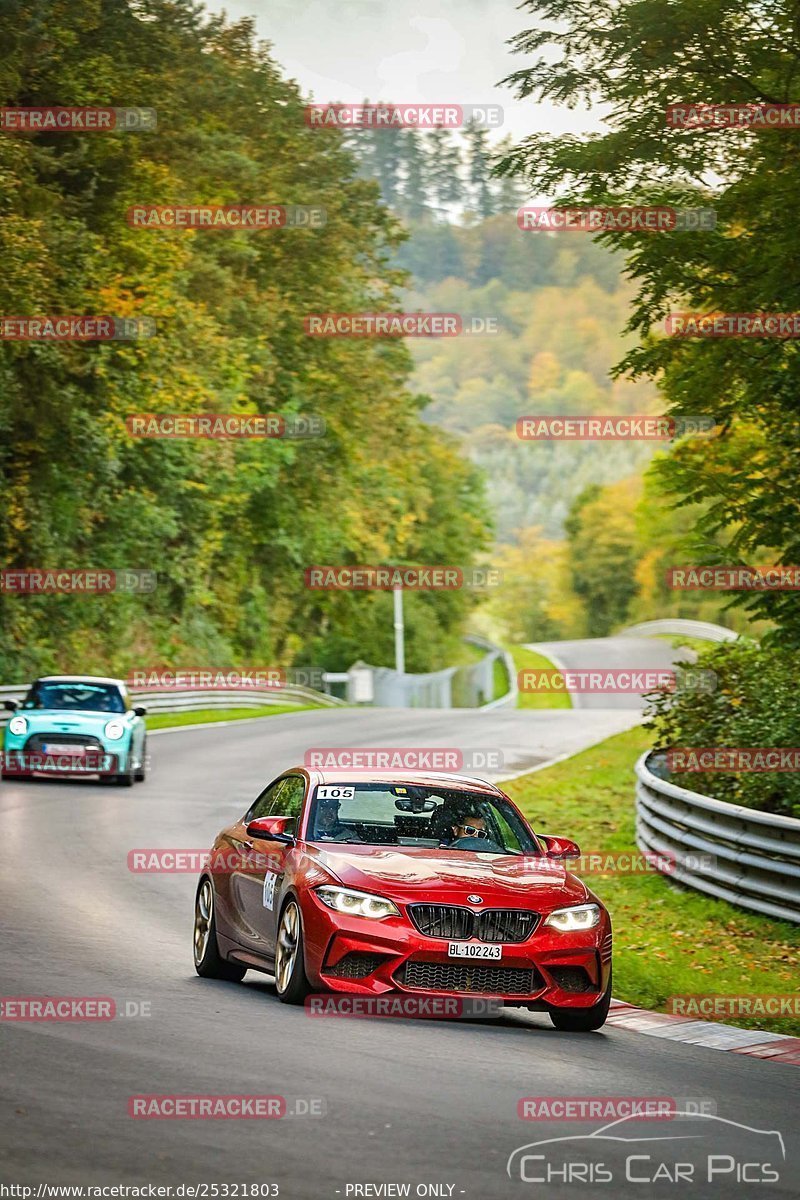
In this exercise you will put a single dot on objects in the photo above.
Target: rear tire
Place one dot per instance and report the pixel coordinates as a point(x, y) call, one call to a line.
point(290, 970)
point(208, 962)
point(583, 1020)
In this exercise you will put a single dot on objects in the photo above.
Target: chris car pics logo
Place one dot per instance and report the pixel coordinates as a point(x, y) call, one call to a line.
point(695, 1149)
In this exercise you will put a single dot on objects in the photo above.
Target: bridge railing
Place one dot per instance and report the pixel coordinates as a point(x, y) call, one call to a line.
point(742, 855)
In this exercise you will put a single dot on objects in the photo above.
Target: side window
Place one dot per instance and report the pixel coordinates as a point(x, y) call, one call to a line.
point(509, 837)
point(290, 800)
point(265, 804)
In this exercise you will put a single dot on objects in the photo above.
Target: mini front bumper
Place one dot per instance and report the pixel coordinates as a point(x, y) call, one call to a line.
point(548, 969)
point(43, 752)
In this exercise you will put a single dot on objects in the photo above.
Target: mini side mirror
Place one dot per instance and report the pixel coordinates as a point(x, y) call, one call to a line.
point(140, 711)
point(11, 705)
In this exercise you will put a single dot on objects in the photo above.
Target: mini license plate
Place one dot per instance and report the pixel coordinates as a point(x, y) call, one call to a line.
point(473, 950)
point(63, 748)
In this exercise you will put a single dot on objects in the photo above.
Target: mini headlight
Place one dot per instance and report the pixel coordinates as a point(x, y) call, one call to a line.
point(571, 920)
point(17, 725)
point(114, 730)
point(359, 904)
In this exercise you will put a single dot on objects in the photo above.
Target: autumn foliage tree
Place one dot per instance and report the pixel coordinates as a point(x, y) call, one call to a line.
point(229, 527)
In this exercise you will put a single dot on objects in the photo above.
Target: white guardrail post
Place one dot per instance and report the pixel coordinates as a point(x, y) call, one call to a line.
point(742, 855)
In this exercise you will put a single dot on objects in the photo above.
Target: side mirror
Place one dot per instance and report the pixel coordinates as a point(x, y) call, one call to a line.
point(11, 705)
point(139, 711)
point(270, 829)
point(558, 847)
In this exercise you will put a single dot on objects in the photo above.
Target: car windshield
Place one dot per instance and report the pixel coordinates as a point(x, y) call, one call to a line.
point(87, 697)
point(382, 814)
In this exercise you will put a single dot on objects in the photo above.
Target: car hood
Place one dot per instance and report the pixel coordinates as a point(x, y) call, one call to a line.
point(54, 720)
point(450, 876)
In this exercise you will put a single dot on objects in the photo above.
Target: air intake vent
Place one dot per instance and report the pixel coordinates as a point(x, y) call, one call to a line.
point(470, 978)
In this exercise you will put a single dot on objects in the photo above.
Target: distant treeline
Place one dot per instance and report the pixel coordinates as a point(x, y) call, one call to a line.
point(437, 173)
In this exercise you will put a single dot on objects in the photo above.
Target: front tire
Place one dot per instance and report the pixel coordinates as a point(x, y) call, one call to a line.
point(141, 774)
point(290, 971)
point(583, 1020)
point(208, 962)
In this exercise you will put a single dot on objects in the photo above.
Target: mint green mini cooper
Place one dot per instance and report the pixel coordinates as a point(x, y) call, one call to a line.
point(75, 725)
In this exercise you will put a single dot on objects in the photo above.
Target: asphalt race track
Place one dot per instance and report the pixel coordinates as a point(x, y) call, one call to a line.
point(422, 1102)
point(620, 653)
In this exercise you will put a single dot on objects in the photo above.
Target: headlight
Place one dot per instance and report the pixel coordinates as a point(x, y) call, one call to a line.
point(571, 920)
point(114, 730)
point(17, 725)
point(360, 904)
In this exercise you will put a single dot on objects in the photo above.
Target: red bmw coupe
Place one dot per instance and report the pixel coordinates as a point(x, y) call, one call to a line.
point(417, 884)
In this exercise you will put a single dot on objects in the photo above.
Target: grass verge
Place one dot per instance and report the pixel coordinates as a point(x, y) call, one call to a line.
point(530, 660)
point(209, 716)
point(668, 940)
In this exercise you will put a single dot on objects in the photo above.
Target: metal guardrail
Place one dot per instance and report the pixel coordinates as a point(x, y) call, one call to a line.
point(742, 855)
point(509, 699)
point(704, 630)
point(470, 685)
point(170, 700)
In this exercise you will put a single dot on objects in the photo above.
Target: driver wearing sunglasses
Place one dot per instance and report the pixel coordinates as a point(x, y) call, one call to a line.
point(472, 825)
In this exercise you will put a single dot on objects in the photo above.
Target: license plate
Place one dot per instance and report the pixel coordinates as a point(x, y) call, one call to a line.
point(473, 950)
point(62, 748)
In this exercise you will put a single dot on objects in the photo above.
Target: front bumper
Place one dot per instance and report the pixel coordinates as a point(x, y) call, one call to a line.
point(74, 754)
point(359, 956)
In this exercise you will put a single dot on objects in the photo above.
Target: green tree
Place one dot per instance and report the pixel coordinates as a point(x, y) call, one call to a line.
point(482, 199)
point(229, 527)
point(636, 59)
point(600, 534)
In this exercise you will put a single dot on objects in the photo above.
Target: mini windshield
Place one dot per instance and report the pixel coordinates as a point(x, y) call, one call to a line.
point(382, 814)
point(86, 697)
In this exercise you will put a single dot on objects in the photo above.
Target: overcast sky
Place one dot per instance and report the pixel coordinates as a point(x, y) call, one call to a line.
point(404, 50)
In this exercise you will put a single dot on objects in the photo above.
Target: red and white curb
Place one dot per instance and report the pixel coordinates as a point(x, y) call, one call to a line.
point(774, 1047)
